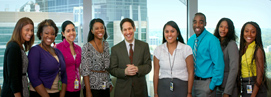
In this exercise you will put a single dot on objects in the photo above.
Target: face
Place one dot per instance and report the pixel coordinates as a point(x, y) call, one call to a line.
point(223, 29)
point(48, 35)
point(250, 33)
point(198, 24)
point(170, 34)
point(128, 31)
point(98, 30)
point(69, 33)
point(27, 32)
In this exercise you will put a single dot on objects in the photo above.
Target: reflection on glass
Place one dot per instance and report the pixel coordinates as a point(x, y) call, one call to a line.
point(37, 10)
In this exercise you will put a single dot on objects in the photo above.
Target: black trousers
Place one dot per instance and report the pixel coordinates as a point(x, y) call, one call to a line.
point(36, 94)
point(98, 93)
point(72, 94)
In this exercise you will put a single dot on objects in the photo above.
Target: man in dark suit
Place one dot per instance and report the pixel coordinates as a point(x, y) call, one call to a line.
point(130, 61)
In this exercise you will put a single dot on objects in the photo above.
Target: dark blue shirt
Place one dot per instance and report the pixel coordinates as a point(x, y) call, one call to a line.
point(43, 67)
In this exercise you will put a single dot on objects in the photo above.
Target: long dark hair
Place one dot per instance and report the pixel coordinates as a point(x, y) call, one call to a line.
point(64, 25)
point(174, 25)
point(259, 45)
point(231, 32)
point(90, 34)
point(17, 33)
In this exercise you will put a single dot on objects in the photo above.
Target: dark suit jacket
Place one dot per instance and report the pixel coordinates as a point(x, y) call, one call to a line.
point(118, 61)
point(12, 70)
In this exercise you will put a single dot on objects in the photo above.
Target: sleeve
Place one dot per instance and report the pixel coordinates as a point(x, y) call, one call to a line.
point(233, 64)
point(145, 68)
point(14, 67)
point(84, 69)
point(113, 67)
point(33, 66)
point(187, 51)
point(218, 63)
point(157, 52)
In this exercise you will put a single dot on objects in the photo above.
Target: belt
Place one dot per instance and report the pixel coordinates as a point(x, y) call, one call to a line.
point(251, 79)
point(199, 78)
point(99, 71)
point(24, 74)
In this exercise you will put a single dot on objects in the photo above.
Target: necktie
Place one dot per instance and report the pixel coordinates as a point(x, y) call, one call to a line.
point(131, 53)
point(195, 50)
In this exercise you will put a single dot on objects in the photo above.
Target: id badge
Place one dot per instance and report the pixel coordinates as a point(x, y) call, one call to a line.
point(59, 85)
point(76, 84)
point(171, 86)
point(249, 89)
point(104, 85)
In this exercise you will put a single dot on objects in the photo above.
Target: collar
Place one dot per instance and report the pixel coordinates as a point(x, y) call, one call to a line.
point(251, 44)
point(200, 37)
point(66, 43)
point(178, 46)
point(127, 43)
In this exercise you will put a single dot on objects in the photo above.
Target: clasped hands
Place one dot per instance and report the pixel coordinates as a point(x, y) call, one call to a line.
point(131, 69)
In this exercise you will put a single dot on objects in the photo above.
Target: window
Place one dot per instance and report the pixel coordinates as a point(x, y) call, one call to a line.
point(57, 10)
point(241, 12)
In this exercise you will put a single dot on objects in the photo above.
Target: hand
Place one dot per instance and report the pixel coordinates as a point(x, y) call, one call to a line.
point(89, 94)
point(189, 95)
point(155, 95)
point(131, 70)
point(111, 88)
point(225, 95)
point(211, 90)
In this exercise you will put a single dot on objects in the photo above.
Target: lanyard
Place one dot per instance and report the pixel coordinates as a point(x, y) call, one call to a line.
point(171, 66)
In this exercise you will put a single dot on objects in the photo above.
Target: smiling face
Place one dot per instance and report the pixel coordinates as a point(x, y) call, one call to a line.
point(98, 30)
point(223, 29)
point(199, 23)
point(250, 33)
point(48, 35)
point(69, 33)
point(170, 34)
point(128, 31)
point(27, 32)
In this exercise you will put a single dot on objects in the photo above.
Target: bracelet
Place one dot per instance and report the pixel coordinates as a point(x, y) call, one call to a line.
point(155, 94)
point(189, 93)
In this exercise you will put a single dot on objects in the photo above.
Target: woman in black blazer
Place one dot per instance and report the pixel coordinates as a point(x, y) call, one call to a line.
point(15, 59)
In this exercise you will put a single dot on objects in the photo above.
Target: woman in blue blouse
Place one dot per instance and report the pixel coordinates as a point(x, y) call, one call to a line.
point(46, 70)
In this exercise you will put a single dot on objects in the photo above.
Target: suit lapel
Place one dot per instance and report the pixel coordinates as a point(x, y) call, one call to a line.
point(124, 52)
point(137, 52)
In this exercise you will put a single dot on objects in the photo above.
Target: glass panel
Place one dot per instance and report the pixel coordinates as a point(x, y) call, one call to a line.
point(37, 10)
point(241, 12)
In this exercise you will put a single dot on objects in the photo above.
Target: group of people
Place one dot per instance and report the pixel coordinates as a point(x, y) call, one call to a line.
point(208, 66)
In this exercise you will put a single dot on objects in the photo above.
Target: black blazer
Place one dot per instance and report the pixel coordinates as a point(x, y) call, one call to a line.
point(12, 70)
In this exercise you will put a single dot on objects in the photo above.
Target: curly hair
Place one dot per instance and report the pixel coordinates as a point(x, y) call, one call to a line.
point(46, 23)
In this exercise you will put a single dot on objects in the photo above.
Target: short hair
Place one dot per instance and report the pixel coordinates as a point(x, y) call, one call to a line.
point(64, 25)
point(127, 20)
point(174, 25)
point(231, 32)
point(17, 33)
point(46, 23)
point(92, 22)
point(199, 13)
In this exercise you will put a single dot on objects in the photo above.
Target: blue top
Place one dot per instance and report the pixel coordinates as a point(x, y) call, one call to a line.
point(209, 58)
point(43, 67)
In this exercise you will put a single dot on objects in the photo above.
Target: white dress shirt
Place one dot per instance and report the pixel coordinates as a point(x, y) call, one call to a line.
point(128, 46)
